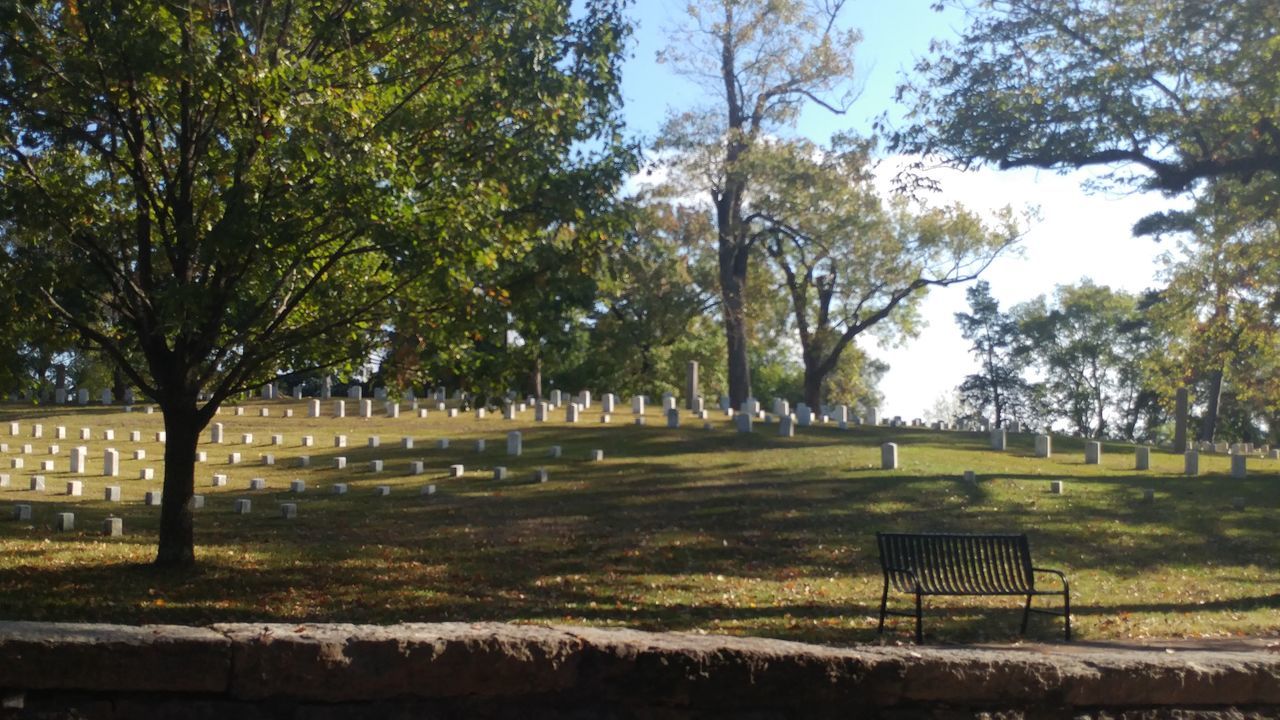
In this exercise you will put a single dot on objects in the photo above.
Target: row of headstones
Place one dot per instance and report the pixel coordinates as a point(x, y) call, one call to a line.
point(111, 456)
point(1222, 448)
point(889, 461)
point(1142, 454)
point(106, 397)
point(114, 526)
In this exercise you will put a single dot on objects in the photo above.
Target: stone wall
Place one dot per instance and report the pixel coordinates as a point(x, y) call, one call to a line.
point(489, 670)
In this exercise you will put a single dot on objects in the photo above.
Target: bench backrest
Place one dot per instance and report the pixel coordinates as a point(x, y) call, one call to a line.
point(954, 564)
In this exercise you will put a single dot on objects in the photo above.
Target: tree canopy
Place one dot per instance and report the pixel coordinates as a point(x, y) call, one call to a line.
point(237, 188)
point(1183, 91)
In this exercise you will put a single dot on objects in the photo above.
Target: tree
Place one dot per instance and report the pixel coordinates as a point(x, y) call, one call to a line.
point(655, 307)
point(1220, 309)
point(246, 186)
point(1089, 345)
point(995, 343)
point(762, 60)
point(849, 262)
point(1183, 91)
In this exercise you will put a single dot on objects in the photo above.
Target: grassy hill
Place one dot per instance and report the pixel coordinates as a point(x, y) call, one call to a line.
point(686, 529)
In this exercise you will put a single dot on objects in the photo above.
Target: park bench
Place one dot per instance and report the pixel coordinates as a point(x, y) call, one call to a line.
point(960, 564)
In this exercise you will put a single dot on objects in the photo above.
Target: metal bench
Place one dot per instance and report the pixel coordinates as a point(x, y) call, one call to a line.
point(955, 564)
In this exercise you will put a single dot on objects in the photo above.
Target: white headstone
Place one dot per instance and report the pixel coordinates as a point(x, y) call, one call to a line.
point(786, 428)
point(313, 409)
point(79, 459)
point(608, 402)
point(637, 404)
point(111, 463)
point(1191, 463)
point(1238, 466)
point(999, 439)
point(112, 493)
point(571, 412)
point(1044, 446)
point(1092, 452)
point(215, 434)
point(1142, 458)
point(673, 418)
point(339, 408)
point(889, 456)
point(515, 443)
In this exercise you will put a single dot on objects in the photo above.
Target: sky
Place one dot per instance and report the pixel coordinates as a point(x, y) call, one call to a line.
point(1078, 234)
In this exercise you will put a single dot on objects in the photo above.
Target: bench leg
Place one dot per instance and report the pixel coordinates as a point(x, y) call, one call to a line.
point(1026, 615)
point(884, 606)
point(919, 621)
point(1066, 613)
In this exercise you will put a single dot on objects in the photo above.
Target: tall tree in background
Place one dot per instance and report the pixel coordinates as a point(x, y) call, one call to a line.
point(762, 61)
point(1221, 307)
point(233, 188)
point(849, 262)
point(994, 341)
point(1085, 345)
point(655, 306)
point(1182, 91)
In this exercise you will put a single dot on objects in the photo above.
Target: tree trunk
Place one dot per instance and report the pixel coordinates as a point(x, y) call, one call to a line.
point(733, 256)
point(118, 383)
point(813, 379)
point(177, 536)
point(1209, 424)
point(536, 377)
point(735, 333)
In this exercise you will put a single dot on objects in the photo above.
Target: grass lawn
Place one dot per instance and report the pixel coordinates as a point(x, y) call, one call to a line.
point(676, 529)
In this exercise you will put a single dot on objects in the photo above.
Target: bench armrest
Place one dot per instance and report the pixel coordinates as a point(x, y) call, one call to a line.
point(1066, 587)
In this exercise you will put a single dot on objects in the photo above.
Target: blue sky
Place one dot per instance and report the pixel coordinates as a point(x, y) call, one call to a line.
point(894, 33)
point(1078, 235)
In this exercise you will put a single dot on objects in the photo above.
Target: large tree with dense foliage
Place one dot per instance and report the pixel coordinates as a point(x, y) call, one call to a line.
point(848, 261)
point(995, 341)
point(229, 189)
point(1089, 344)
point(1182, 91)
point(1221, 306)
point(761, 62)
